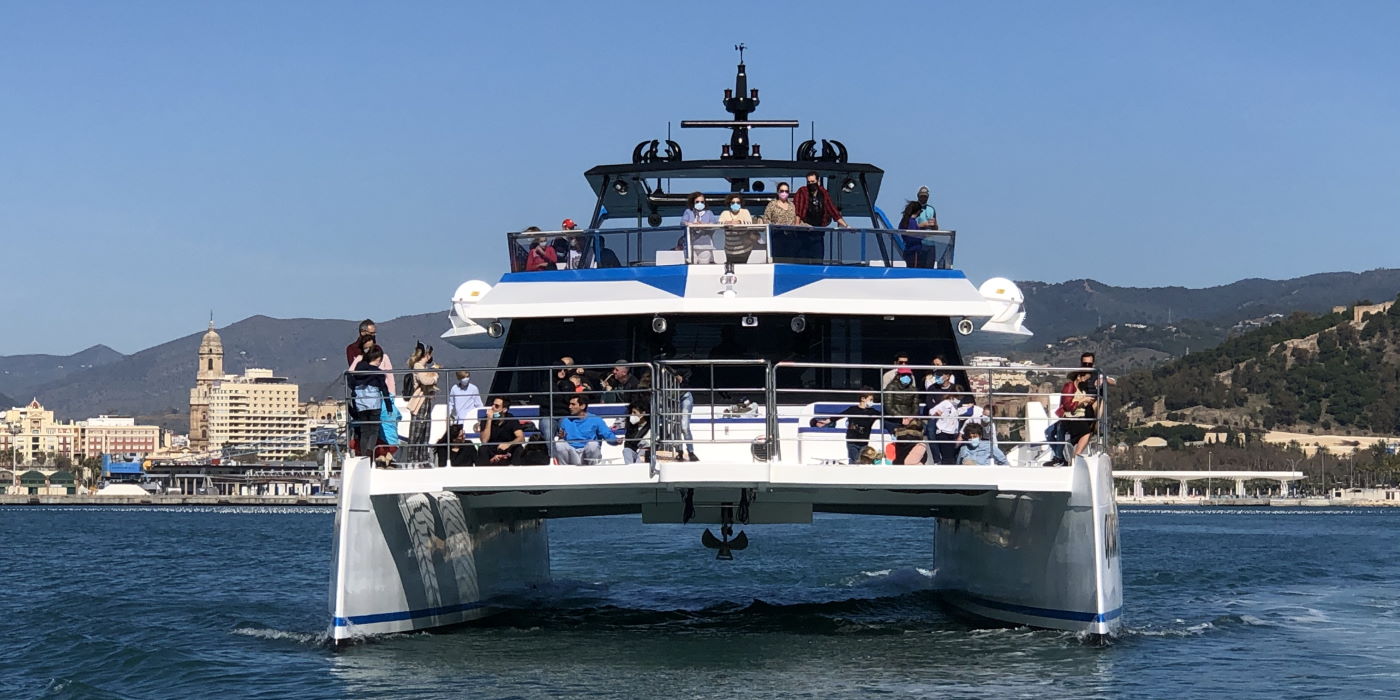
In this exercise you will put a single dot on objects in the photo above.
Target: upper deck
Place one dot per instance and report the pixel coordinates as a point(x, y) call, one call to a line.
point(705, 244)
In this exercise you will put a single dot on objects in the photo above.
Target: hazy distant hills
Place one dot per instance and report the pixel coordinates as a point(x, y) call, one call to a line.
point(1070, 316)
point(20, 375)
point(1079, 306)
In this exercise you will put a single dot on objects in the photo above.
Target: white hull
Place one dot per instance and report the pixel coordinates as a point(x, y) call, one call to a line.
point(1045, 560)
point(415, 561)
point(424, 548)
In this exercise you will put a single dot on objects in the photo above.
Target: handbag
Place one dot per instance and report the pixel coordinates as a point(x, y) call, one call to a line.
point(389, 417)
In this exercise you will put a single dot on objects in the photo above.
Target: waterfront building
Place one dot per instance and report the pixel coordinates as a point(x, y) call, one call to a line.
point(260, 409)
point(254, 408)
point(31, 430)
point(209, 372)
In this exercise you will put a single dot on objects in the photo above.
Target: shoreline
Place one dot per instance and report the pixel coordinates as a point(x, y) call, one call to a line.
point(329, 500)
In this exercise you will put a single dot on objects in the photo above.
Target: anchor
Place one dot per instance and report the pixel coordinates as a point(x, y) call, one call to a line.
point(726, 546)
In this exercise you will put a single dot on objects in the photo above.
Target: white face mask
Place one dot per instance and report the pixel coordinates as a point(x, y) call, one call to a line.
point(699, 206)
point(634, 419)
point(464, 383)
point(974, 441)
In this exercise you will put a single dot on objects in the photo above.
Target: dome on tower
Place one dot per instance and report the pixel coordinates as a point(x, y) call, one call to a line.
point(211, 340)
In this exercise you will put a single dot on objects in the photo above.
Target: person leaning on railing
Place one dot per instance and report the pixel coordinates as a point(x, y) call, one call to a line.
point(1078, 406)
point(860, 418)
point(738, 242)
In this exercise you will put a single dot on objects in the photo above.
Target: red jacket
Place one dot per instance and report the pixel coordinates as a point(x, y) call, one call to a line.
point(829, 213)
point(542, 257)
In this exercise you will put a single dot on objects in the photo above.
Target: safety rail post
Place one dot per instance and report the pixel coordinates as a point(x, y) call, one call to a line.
point(773, 448)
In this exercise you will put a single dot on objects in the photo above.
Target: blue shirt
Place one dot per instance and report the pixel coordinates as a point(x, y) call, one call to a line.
point(927, 214)
point(697, 217)
point(580, 430)
point(983, 453)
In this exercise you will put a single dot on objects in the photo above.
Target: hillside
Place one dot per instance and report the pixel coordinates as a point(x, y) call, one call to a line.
point(1307, 372)
point(20, 375)
point(1080, 314)
point(155, 383)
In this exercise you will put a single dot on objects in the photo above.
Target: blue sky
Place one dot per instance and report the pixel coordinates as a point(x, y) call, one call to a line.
point(341, 159)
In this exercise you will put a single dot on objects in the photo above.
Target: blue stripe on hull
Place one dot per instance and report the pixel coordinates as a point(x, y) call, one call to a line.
point(407, 614)
point(1051, 613)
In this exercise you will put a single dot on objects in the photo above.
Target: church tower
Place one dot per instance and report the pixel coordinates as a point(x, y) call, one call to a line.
point(209, 371)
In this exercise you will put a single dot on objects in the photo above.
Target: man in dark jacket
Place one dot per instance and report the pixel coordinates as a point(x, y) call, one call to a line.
point(815, 208)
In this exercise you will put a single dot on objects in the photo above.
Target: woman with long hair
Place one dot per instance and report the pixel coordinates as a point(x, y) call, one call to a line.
point(420, 402)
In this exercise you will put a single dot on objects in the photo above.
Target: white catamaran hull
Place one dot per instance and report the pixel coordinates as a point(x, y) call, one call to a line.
point(1039, 559)
point(1032, 546)
point(415, 561)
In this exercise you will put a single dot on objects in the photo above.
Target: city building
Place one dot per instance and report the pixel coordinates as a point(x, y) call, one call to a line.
point(31, 431)
point(254, 409)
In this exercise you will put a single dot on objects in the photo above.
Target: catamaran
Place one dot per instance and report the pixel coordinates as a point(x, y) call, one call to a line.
point(750, 342)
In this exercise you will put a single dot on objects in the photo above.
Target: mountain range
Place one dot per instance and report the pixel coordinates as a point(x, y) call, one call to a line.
point(1130, 326)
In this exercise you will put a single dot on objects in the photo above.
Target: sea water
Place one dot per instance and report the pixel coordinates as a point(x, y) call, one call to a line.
point(181, 602)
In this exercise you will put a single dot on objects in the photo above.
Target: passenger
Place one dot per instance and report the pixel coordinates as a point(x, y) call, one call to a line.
point(859, 420)
point(868, 455)
point(1078, 410)
point(542, 255)
point(354, 350)
point(900, 359)
point(780, 211)
point(946, 424)
point(702, 241)
point(620, 385)
point(568, 225)
point(738, 242)
point(502, 436)
point(463, 400)
point(914, 253)
point(370, 390)
point(578, 257)
point(815, 207)
point(582, 435)
point(454, 449)
point(364, 344)
point(636, 437)
point(687, 407)
point(975, 450)
point(901, 400)
point(909, 443)
point(422, 386)
point(927, 218)
point(936, 381)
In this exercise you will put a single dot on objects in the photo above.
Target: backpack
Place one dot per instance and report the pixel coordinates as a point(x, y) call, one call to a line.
point(368, 397)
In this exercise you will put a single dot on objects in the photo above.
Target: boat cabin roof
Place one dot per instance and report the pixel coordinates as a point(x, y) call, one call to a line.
point(854, 187)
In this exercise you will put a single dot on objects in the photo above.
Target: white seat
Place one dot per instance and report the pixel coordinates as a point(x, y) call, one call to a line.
point(670, 257)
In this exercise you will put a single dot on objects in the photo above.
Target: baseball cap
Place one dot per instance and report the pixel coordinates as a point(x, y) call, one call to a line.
point(568, 224)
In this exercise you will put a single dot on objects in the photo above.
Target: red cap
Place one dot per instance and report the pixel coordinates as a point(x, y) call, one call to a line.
point(904, 370)
point(569, 225)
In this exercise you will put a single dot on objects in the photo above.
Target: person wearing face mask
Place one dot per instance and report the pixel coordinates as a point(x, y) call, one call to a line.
point(581, 435)
point(702, 242)
point(860, 418)
point(463, 399)
point(424, 383)
point(901, 399)
point(975, 450)
point(781, 212)
point(636, 433)
point(815, 207)
point(738, 242)
point(945, 427)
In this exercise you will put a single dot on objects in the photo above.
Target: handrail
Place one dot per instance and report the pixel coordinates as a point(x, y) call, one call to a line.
point(668, 403)
point(642, 247)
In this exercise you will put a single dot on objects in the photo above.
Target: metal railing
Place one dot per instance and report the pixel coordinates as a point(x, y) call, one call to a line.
point(702, 244)
point(744, 409)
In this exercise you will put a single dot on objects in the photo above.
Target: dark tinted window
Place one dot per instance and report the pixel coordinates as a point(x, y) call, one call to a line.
point(835, 339)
